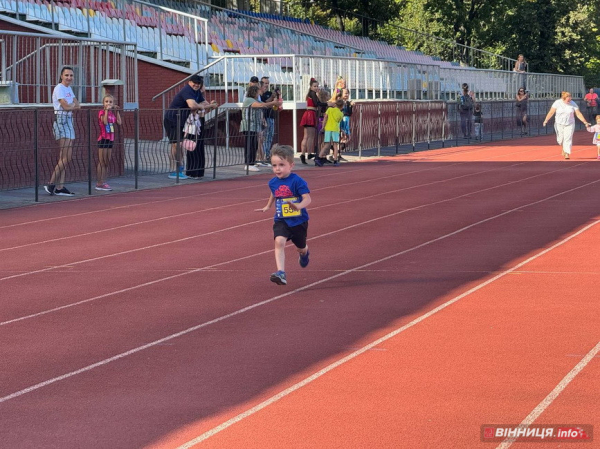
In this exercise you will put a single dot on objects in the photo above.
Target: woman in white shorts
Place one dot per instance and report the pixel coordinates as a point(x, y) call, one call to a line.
point(564, 123)
point(64, 102)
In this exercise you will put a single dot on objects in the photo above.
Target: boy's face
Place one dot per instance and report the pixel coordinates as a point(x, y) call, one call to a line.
point(281, 167)
point(598, 119)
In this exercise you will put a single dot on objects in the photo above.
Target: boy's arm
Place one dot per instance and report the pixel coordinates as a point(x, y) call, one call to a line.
point(270, 202)
point(302, 204)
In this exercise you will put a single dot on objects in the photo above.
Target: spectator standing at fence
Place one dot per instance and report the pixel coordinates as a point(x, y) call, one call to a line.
point(478, 121)
point(196, 160)
point(186, 100)
point(521, 104)
point(64, 102)
point(291, 196)
point(565, 110)
point(252, 124)
point(521, 68)
point(591, 100)
point(107, 118)
point(345, 125)
point(271, 98)
point(332, 120)
point(324, 97)
point(465, 110)
point(309, 120)
point(596, 130)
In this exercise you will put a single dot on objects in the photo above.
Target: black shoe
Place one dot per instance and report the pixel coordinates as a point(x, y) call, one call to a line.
point(318, 162)
point(50, 188)
point(311, 156)
point(303, 159)
point(63, 192)
point(326, 161)
point(331, 159)
point(341, 159)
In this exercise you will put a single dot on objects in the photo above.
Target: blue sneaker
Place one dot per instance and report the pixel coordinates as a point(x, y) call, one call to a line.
point(279, 278)
point(318, 162)
point(303, 260)
point(173, 175)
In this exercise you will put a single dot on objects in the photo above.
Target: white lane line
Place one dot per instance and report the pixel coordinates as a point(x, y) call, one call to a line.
point(337, 203)
point(305, 287)
point(390, 335)
point(394, 214)
point(548, 400)
point(184, 214)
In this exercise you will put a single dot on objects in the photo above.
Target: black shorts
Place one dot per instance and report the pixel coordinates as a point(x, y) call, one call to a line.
point(105, 143)
point(172, 131)
point(297, 234)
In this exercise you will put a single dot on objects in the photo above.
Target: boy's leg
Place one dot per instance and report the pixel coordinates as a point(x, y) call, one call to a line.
point(303, 259)
point(280, 253)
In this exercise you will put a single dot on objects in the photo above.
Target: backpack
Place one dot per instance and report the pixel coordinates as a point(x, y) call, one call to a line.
point(466, 103)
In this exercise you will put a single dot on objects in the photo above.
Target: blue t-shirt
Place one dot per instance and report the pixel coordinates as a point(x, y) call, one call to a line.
point(179, 102)
point(289, 189)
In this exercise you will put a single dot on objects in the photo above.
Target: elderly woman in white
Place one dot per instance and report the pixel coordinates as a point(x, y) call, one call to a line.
point(564, 123)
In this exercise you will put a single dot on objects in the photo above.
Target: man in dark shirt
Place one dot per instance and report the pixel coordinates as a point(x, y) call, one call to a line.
point(186, 100)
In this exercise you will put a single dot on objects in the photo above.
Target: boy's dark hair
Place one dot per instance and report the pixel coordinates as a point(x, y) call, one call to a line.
point(283, 151)
point(339, 103)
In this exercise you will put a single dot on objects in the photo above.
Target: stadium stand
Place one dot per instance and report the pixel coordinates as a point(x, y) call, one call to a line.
point(174, 35)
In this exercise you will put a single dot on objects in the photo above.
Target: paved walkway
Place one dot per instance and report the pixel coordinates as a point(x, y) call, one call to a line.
point(26, 197)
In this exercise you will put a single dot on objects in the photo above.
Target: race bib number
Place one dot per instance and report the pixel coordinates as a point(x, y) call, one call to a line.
point(284, 210)
point(110, 128)
point(597, 136)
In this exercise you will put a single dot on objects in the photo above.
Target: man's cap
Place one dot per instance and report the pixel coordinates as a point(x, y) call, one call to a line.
point(254, 79)
point(196, 79)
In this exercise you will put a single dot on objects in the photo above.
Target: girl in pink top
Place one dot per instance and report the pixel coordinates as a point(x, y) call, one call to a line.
point(596, 130)
point(106, 119)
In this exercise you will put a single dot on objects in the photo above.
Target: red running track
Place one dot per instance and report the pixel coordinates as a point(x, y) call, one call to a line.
point(447, 289)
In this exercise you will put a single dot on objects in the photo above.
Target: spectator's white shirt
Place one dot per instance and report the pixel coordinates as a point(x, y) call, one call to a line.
point(565, 112)
point(62, 92)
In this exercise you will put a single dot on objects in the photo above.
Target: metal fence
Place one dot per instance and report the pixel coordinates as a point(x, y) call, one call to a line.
point(29, 151)
point(399, 126)
point(30, 65)
point(227, 77)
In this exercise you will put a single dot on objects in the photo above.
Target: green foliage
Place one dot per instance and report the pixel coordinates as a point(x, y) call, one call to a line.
point(556, 36)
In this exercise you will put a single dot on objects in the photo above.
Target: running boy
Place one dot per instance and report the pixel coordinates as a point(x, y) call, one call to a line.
point(291, 195)
point(596, 130)
point(333, 118)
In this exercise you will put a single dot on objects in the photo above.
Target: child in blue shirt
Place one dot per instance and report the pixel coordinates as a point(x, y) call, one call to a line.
point(290, 194)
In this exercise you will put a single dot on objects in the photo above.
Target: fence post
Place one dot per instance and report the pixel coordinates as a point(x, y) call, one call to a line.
point(502, 122)
point(36, 157)
point(136, 147)
point(429, 125)
point(397, 128)
point(379, 129)
point(491, 121)
point(178, 150)
point(414, 124)
point(360, 132)
point(89, 117)
point(215, 129)
point(444, 121)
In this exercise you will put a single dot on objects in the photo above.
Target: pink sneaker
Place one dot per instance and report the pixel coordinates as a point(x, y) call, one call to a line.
point(105, 187)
